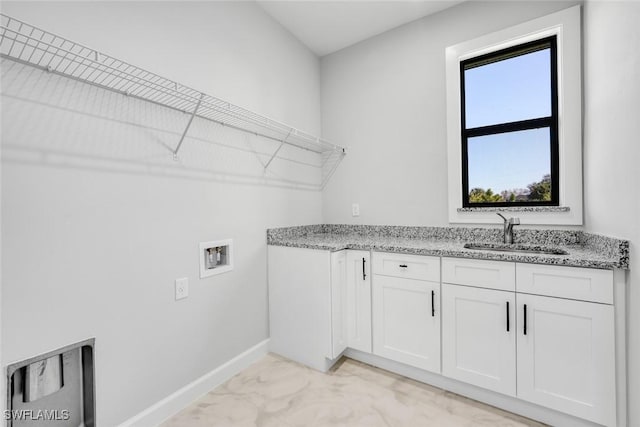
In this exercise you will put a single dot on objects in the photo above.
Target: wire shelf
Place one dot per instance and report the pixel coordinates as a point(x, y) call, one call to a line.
point(33, 46)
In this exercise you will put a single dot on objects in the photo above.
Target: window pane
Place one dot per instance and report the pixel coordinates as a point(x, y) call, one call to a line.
point(513, 89)
point(510, 167)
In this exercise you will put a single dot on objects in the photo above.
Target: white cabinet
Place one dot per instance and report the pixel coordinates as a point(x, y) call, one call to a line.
point(319, 304)
point(566, 356)
point(540, 333)
point(479, 337)
point(407, 266)
point(558, 351)
point(338, 303)
point(307, 305)
point(482, 273)
point(358, 300)
point(584, 284)
point(406, 318)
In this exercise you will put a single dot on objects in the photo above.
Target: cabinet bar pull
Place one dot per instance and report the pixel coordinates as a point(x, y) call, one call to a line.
point(364, 275)
point(525, 319)
point(433, 308)
point(507, 316)
point(403, 265)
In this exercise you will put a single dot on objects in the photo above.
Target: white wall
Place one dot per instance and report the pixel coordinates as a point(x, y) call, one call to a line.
point(385, 99)
point(98, 221)
point(611, 150)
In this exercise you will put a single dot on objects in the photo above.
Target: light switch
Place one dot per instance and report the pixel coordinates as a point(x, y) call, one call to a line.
point(182, 288)
point(355, 209)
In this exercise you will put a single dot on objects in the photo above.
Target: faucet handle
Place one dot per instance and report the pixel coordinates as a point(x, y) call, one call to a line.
point(511, 221)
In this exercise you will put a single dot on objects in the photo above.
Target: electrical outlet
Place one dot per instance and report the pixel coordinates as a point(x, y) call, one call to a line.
point(355, 209)
point(182, 288)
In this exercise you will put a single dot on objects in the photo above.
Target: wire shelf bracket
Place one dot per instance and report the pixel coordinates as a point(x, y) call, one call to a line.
point(186, 129)
point(340, 153)
point(275, 153)
point(30, 45)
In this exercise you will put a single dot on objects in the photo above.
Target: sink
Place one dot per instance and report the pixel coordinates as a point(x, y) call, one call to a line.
point(516, 247)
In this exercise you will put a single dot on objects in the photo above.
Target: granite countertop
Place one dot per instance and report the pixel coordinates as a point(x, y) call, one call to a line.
point(583, 249)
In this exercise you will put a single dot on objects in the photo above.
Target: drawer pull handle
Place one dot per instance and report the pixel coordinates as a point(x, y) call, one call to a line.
point(507, 316)
point(525, 319)
point(433, 307)
point(403, 265)
point(364, 275)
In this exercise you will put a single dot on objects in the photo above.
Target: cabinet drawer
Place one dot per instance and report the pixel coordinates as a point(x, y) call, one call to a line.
point(584, 284)
point(407, 266)
point(475, 272)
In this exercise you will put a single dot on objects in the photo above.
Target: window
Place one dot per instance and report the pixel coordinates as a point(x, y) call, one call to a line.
point(518, 134)
point(509, 122)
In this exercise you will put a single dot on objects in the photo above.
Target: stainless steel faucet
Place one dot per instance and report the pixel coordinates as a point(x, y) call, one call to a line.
point(508, 227)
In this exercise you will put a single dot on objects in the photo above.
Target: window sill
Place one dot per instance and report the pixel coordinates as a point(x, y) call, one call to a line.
point(517, 209)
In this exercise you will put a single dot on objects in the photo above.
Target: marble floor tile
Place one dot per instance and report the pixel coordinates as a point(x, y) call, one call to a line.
point(276, 392)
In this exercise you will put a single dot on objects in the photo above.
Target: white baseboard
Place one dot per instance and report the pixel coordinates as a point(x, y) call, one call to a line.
point(174, 403)
point(508, 403)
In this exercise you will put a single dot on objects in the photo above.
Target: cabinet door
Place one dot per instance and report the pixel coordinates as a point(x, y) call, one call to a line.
point(406, 321)
point(479, 337)
point(566, 359)
point(338, 303)
point(359, 300)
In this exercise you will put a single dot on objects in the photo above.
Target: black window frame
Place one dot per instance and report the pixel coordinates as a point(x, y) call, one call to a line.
point(550, 122)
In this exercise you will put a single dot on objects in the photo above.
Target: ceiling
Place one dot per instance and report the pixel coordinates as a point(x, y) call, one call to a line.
point(328, 26)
